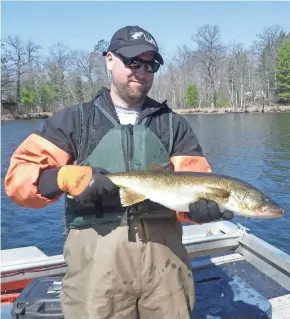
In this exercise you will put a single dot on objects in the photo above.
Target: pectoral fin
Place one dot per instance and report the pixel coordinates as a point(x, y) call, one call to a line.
point(129, 197)
point(219, 192)
point(217, 195)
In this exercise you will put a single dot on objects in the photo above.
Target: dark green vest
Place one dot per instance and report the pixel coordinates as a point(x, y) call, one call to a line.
point(123, 148)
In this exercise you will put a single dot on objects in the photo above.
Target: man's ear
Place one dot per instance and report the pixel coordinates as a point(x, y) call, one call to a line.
point(109, 61)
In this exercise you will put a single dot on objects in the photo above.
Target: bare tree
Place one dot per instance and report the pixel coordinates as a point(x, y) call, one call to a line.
point(236, 77)
point(239, 77)
point(99, 61)
point(266, 48)
point(60, 62)
point(17, 56)
point(184, 72)
point(210, 50)
point(91, 66)
point(85, 67)
point(6, 78)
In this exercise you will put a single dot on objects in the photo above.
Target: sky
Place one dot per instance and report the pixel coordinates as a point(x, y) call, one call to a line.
point(80, 24)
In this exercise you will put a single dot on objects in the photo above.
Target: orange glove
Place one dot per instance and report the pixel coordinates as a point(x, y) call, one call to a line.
point(86, 184)
point(74, 179)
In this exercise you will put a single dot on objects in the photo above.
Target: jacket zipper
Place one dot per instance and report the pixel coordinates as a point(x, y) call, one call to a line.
point(130, 145)
point(130, 139)
point(129, 131)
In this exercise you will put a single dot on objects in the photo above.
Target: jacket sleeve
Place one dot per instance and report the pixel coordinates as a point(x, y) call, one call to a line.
point(187, 154)
point(30, 180)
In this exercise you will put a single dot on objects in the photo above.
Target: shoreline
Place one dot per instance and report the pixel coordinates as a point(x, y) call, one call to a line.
point(28, 116)
point(252, 109)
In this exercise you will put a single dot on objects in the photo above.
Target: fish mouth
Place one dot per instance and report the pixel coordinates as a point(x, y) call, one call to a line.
point(264, 212)
point(270, 212)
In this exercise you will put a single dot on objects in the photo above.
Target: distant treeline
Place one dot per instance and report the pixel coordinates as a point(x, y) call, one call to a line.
point(213, 75)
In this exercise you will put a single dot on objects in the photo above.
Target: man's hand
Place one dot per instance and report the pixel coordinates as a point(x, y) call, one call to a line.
point(99, 186)
point(205, 211)
point(85, 184)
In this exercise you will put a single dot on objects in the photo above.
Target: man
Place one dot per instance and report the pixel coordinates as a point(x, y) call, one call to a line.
point(121, 263)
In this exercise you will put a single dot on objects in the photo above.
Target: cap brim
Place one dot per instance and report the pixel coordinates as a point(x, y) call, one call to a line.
point(134, 50)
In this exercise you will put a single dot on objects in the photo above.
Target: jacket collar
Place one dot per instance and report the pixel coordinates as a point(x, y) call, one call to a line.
point(103, 98)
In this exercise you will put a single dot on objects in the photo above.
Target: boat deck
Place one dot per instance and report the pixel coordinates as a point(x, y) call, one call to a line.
point(257, 273)
point(225, 269)
point(278, 296)
point(262, 283)
point(280, 310)
point(232, 269)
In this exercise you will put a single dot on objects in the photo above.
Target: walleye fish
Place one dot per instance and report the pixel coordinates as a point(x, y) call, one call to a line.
point(177, 190)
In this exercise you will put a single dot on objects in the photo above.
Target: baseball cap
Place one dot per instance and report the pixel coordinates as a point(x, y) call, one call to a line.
point(131, 41)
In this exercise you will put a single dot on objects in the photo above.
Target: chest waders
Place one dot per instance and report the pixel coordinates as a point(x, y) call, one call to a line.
point(123, 148)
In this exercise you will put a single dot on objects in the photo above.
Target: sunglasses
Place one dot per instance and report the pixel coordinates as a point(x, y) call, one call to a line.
point(135, 63)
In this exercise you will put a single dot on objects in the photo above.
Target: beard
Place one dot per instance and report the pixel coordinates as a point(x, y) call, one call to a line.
point(130, 93)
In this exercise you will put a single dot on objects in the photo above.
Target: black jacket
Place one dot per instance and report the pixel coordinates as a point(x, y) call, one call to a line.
point(31, 179)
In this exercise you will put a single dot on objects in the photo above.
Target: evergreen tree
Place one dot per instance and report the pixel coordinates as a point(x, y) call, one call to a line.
point(283, 72)
point(191, 96)
point(79, 89)
point(28, 96)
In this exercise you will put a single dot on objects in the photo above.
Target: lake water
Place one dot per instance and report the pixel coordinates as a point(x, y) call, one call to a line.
point(253, 147)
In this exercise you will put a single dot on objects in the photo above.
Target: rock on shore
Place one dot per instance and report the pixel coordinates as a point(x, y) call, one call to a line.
point(29, 116)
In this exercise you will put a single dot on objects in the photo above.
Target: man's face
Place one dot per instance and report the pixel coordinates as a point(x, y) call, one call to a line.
point(132, 85)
